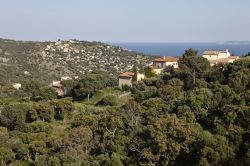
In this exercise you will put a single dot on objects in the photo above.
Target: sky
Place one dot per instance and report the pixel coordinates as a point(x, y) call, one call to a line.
point(126, 20)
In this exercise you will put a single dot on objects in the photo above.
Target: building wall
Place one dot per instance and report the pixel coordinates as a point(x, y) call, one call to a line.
point(174, 64)
point(165, 64)
point(140, 77)
point(223, 55)
point(125, 81)
point(211, 57)
point(157, 71)
point(160, 64)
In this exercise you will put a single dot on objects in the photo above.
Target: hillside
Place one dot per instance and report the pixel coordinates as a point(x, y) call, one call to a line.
point(49, 61)
point(172, 119)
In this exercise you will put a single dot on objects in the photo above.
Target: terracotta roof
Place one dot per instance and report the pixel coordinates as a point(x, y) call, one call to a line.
point(213, 52)
point(127, 74)
point(166, 59)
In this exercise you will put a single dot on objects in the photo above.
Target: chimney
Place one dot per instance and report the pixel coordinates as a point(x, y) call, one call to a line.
point(164, 57)
point(227, 50)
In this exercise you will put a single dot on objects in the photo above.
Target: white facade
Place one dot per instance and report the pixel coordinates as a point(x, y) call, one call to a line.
point(173, 64)
point(216, 55)
point(165, 61)
point(140, 77)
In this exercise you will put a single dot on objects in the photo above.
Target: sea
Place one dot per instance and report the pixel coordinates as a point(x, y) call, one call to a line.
point(177, 49)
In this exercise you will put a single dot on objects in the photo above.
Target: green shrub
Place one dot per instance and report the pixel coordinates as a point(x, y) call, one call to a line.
point(109, 100)
point(39, 126)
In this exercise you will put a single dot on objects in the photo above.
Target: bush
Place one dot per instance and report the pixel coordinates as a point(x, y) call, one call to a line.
point(13, 116)
point(110, 100)
point(45, 111)
point(62, 107)
point(39, 126)
point(125, 88)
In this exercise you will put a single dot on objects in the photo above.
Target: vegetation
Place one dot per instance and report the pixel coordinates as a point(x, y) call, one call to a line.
point(193, 115)
point(48, 61)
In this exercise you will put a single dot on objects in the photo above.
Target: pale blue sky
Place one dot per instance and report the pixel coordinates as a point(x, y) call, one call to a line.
point(126, 20)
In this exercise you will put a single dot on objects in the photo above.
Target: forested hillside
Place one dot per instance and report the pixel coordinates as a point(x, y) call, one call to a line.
point(193, 115)
point(47, 61)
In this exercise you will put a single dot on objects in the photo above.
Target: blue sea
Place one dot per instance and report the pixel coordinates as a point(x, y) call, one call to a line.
point(177, 49)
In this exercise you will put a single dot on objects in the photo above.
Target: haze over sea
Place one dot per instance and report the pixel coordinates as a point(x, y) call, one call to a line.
point(177, 49)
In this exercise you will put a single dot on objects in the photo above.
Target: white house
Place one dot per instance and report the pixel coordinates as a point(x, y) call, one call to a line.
point(166, 61)
point(216, 57)
point(160, 64)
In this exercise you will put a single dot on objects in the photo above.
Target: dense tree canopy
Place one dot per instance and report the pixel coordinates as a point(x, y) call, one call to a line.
point(164, 120)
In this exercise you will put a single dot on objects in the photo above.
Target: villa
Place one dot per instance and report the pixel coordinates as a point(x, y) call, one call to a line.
point(217, 57)
point(127, 77)
point(160, 64)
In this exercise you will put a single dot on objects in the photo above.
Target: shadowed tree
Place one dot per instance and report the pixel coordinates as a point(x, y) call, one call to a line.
point(193, 64)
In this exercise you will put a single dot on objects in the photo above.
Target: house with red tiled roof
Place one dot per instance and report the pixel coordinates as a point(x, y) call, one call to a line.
point(165, 61)
point(219, 57)
point(160, 64)
point(127, 77)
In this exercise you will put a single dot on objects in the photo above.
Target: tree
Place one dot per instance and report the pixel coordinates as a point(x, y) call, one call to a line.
point(45, 111)
point(110, 100)
point(38, 127)
point(149, 72)
point(192, 64)
point(134, 79)
point(6, 156)
point(32, 88)
point(62, 107)
point(190, 53)
point(88, 86)
point(212, 150)
point(13, 116)
point(48, 93)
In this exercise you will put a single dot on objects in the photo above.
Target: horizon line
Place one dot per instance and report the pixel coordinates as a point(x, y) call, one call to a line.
point(132, 42)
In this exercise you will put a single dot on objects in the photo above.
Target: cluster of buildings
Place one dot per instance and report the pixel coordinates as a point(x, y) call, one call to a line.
point(219, 57)
point(159, 64)
point(157, 67)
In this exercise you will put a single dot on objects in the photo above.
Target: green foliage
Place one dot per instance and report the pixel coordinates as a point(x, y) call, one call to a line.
point(149, 72)
point(62, 107)
point(37, 127)
point(110, 100)
point(134, 79)
point(13, 116)
point(45, 111)
point(48, 93)
point(168, 120)
point(192, 65)
point(190, 53)
point(89, 85)
point(6, 156)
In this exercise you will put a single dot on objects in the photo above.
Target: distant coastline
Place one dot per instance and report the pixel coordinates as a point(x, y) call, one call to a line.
point(237, 42)
point(176, 49)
